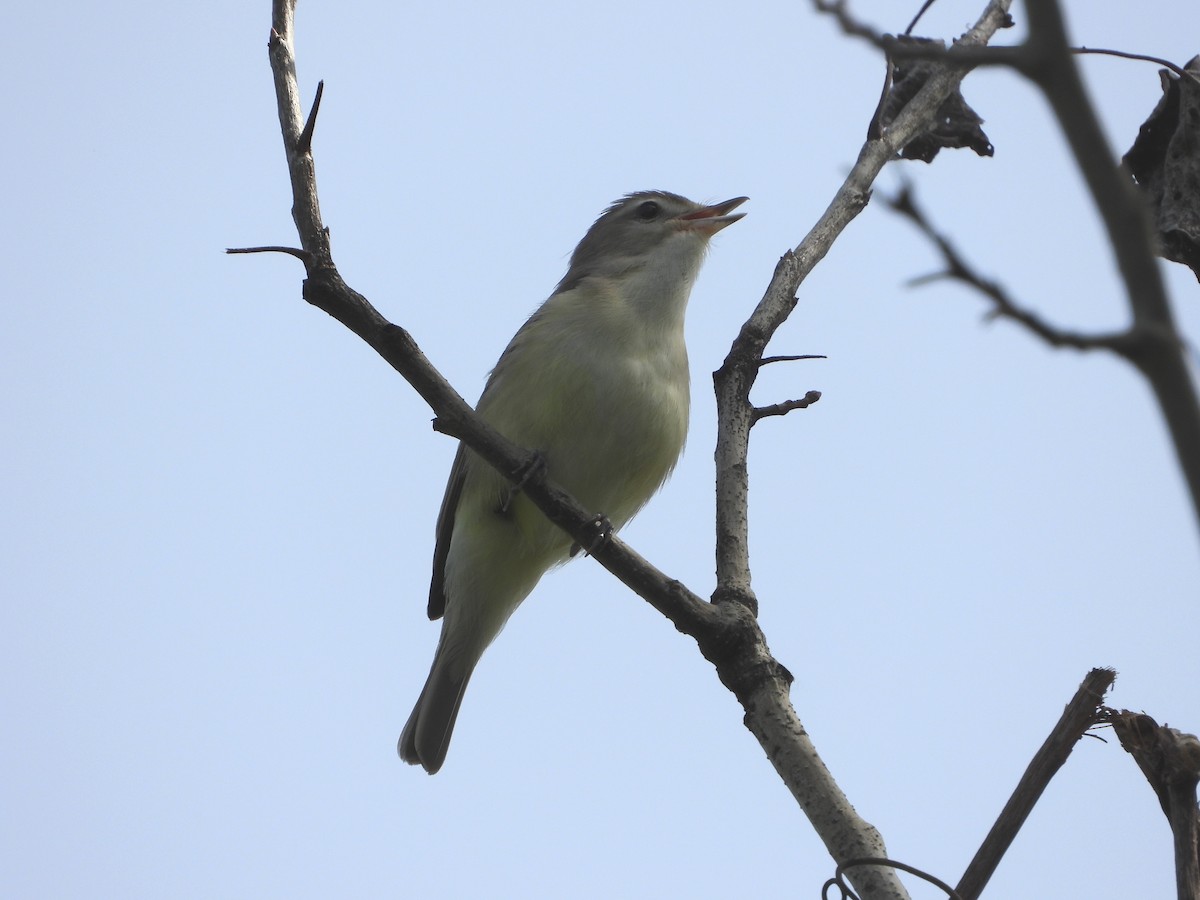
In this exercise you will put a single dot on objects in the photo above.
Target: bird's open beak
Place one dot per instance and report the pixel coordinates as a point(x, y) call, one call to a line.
point(711, 219)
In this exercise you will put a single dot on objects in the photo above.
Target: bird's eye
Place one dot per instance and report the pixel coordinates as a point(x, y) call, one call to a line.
point(648, 211)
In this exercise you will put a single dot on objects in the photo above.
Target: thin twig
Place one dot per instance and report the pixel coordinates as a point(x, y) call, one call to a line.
point(1003, 306)
point(917, 18)
point(782, 409)
point(1016, 57)
point(963, 53)
point(302, 255)
point(1158, 60)
point(767, 360)
point(310, 124)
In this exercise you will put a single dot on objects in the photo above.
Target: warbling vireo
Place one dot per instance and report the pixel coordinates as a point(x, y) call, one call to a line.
point(596, 381)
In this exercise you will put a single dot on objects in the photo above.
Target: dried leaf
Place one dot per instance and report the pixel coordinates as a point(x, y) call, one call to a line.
point(957, 124)
point(1165, 162)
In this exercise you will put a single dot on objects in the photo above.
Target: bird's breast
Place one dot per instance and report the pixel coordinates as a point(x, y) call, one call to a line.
point(608, 411)
point(628, 418)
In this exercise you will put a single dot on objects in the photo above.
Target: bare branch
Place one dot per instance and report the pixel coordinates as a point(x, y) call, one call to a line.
point(769, 712)
point(305, 142)
point(1080, 714)
point(782, 409)
point(1160, 352)
point(306, 211)
point(741, 366)
point(301, 255)
point(962, 52)
point(1155, 346)
point(767, 360)
point(1003, 306)
point(1170, 760)
point(917, 18)
point(325, 289)
point(1021, 58)
point(1157, 60)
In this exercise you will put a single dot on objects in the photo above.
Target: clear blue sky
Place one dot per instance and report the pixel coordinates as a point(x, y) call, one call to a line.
point(217, 509)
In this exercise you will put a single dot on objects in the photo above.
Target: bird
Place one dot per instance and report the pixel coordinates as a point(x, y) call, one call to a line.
point(596, 384)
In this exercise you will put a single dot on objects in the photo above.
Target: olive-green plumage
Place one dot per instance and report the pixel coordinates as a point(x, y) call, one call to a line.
point(596, 381)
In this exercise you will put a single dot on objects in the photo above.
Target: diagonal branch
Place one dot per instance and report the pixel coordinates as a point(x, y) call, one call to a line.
point(325, 289)
point(1003, 306)
point(737, 374)
point(1079, 715)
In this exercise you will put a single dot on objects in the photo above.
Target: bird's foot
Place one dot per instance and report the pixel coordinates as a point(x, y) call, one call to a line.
point(604, 532)
point(533, 467)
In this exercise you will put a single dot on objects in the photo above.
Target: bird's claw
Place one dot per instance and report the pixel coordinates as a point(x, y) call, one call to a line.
point(604, 532)
point(533, 467)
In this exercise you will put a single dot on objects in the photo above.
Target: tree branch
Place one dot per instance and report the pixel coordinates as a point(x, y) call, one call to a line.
point(1142, 57)
point(325, 289)
point(738, 372)
point(1080, 714)
point(1160, 353)
point(769, 711)
point(290, 251)
point(1170, 760)
point(1003, 306)
point(782, 409)
point(1153, 344)
point(961, 53)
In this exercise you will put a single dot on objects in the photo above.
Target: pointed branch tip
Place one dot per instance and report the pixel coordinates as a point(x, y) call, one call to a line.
point(303, 255)
point(767, 360)
point(305, 143)
point(782, 409)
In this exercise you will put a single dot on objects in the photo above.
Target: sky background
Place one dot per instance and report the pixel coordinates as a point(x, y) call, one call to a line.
point(217, 505)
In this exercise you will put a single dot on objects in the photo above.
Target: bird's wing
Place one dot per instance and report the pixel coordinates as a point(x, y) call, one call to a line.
point(445, 528)
point(458, 475)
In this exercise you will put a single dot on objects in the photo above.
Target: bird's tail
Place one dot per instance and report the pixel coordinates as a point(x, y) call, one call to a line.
point(426, 736)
